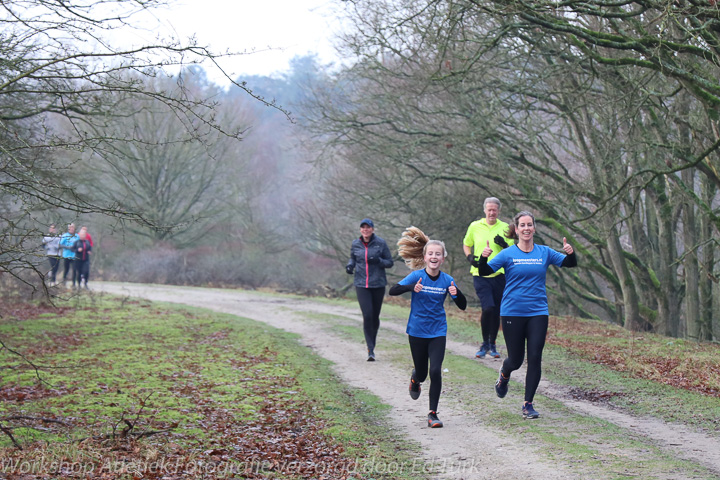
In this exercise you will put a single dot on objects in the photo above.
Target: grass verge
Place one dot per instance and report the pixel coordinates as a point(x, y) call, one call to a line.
point(131, 389)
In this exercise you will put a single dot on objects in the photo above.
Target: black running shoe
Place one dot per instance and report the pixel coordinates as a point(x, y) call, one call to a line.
point(371, 356)
point(434, 421)
point(529, 412)
point(414, 387)
point(501, 386)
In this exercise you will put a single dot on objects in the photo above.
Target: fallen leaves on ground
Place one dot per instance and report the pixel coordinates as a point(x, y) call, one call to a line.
point(277, 434)
point(696, 367)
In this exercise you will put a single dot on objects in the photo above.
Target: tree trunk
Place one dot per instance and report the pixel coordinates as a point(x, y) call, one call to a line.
point(708, 261)
point(630, 297)
point(692, 271)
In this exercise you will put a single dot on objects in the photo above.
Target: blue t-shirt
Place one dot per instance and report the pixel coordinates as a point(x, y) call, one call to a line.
point(67, 241)
point(525, 294)
point(427, 308)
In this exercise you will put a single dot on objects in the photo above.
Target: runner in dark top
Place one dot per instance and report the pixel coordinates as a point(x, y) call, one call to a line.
point(369, 258)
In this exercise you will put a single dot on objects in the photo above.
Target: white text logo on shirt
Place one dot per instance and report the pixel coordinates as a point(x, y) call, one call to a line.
point(528, 261)
point(435, 290)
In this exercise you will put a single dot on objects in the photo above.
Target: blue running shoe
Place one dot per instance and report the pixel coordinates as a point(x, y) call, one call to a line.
point(493, 351)
point(482, 352)
point(501, 386)
point(528, 411)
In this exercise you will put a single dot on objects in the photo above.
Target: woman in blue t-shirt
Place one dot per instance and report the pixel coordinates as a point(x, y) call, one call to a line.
point(427, 325)
point(524, 307)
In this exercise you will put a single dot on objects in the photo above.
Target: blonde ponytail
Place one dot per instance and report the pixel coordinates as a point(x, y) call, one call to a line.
point(411, 247)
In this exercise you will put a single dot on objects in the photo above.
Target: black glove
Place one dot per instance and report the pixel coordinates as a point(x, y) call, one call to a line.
point(500, 241)
point(471, 259)
point(373, 260)
point(349, 269)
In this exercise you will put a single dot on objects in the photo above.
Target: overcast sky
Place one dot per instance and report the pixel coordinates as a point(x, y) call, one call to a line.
point(273, 30)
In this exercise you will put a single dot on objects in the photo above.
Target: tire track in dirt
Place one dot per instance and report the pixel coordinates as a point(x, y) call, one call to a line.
point(449, 449)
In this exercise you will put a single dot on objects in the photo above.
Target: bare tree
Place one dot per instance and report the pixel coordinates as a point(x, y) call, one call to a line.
point(59, 61)
point(472, 93)
point(175, 172)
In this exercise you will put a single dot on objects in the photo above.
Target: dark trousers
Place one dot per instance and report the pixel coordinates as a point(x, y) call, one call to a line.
point(69, 266)
point(490, 292)
point(54, 265)
point(83, 269)
point(370, 300)
point(518, 331)
point(432, 350)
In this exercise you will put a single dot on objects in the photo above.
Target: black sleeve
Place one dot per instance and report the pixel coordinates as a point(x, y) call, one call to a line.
point(386, 260)
point(483, 268)
point(398, 289)
point(570, 261)
point(460, 300)
point(351, 262)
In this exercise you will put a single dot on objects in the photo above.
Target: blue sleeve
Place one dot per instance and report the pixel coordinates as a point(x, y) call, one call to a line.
point(412, 278)
point(555, 258)
point(498, 261)
point(450, 280)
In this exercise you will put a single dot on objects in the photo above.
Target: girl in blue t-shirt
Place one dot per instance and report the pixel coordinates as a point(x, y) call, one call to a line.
point(427, 325)
point(524, 308)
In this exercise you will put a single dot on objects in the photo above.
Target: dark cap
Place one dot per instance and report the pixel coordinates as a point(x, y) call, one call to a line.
point(368, 222)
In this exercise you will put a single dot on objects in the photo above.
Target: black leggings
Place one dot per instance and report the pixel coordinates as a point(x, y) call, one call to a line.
point(518, 331)
point(422, 350)
point(54, 265)
point(490, 292)
point(83, 269)
point(490, 324)
point(69, 266)
point(370, 300)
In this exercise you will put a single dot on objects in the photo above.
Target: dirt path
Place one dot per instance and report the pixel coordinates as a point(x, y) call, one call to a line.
point(465, 449)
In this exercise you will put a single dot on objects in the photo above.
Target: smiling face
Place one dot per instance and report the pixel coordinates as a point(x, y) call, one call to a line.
point(525, 228)
point(492, 210)
point(366, 231)
point(434, 256)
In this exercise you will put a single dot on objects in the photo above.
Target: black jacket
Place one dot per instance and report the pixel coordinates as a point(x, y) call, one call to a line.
point(369, 262)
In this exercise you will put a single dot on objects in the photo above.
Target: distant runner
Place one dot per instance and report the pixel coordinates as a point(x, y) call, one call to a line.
point(369, 257)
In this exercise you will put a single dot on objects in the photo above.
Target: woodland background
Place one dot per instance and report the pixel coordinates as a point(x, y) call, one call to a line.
point(600, 117)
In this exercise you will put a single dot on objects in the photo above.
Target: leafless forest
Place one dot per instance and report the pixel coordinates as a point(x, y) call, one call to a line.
point(600, 117)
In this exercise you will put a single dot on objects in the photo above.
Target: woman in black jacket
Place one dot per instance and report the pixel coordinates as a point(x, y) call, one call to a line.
point(369, 257)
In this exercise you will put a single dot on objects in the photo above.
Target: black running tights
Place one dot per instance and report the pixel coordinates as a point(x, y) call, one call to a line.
point(490, 324)
point(432, 349)
point(370, 300)
point(518, 331)
point(69, 266)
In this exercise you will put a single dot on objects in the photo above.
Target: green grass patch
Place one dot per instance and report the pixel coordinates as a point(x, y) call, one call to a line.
point(130, 386)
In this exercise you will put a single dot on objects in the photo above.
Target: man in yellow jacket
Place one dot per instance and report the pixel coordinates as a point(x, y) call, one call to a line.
point(488, 289)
